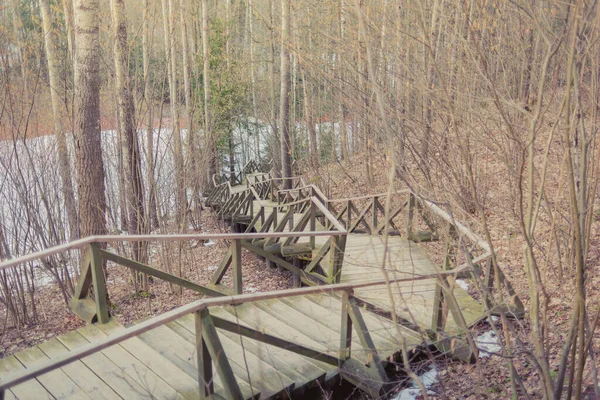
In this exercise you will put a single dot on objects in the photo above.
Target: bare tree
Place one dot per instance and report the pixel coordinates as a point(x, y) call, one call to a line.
point(284, 98)
point(132, 164)
point(59, 114)
point(88, 141)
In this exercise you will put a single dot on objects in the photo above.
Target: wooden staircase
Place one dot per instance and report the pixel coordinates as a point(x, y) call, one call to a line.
point(161, 363)
point(276, 344)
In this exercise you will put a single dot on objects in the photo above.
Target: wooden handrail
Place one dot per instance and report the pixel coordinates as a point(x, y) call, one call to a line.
point(196, 306)
point(157, 238)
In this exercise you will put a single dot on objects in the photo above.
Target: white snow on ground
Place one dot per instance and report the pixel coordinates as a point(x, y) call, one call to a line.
point(488, 343)
point(250, 288)
point(428, 379)
point(463, 284)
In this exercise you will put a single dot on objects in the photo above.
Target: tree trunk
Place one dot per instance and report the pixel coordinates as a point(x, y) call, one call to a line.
point(151, 181)
point(88, 139)
point(275, 143)
point(171, 53)
point(284, 98)
point(210, 141)
point(431, 44)
point(256, 131)
point(58, 111)
point(68, 10)
point(131, 151)
point(310, 123)
point(192, 151)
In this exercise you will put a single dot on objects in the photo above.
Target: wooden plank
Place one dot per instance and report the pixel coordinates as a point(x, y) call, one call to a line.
point(241, 321)
point(332, 317)
point(280, 262)
point(345, 330)
point(117, 376)
point(242, 379)
point(307, 326)
point(100, 293)
point(257, 319)
point(222, 268)
point(236, 264)
point(8, 395)
point(85, 378)
point(313, 326)
point(29, 390)
point(161, 366)
point(181, 353)
point(158, 273)
point(361, 328)
point(272, 340)
point(267, 379)
point(148, 379)
point(298, 368)
point(203, 361)
point(379, 326)
point(204, 323)
point(56, 382)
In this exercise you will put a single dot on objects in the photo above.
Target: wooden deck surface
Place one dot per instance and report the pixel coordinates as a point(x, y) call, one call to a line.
point(161, 363)
point(364, 261)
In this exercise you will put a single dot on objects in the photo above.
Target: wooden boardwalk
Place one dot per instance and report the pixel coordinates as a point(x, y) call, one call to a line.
point(271, 345)
point(161, 363)
point(365, 259)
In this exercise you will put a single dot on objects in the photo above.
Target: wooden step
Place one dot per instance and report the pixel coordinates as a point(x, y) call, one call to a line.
point(118, 378)
point(378, 326)
point(268, 380)
point(298, 368)
point(249, 321)
point(179, 380)
point(29, 390)
point(240, 373)
point(152, 383)
point(56, 382)
point(310, 326)
point(332, 319)
point(85, 378)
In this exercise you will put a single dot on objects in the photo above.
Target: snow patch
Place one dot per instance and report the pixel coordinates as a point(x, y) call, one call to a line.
point(488, 343)
point(463, 284)
point(251, 289)
point(428, 378)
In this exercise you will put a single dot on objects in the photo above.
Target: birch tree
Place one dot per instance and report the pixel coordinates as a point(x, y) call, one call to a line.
point(59, 115)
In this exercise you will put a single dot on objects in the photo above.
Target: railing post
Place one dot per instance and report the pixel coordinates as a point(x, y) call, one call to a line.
point(313, 222)
point(345, 351)
point(100, 293)
point(336, 254)
point(373, 228)
point(205, 373)
point(209, 348)
point(236, 249)
point(409, 215)
point(349, 216)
